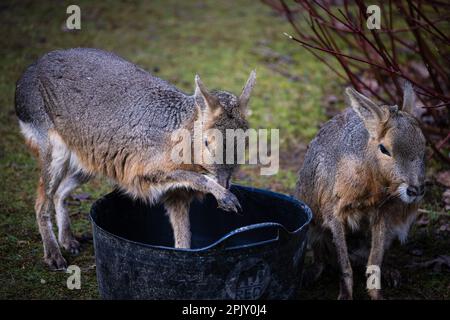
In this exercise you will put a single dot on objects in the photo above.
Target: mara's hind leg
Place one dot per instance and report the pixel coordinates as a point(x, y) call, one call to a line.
point(54, 157)
point(45, 208)
point(177, 208)
point(65, 236)
point(52, 254)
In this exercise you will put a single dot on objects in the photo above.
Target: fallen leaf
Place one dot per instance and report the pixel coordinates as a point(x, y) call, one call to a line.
point(22, 242)
point(446, 199)
point(443, 178)
point(445, 227)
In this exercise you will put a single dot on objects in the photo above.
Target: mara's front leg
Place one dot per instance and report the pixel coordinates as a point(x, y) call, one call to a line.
point(200, 182)
point(380, 241)
point(177, 206)
point(346, 278)
point(177, 203)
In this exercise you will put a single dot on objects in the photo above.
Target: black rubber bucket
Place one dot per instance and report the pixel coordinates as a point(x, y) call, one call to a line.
point(256, 255)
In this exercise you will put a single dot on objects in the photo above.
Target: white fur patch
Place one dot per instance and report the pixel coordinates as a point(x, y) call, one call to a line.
point(354, 220)
point(62, 215)
point(75, 164)
point(403, 195)
point(402, 230)
point(63, 158)
point(402, 191)
point(158, 190)
point(60, 156)
point(30, 133)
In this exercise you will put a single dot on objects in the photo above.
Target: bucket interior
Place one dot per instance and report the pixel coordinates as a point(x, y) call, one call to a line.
point(133, 220)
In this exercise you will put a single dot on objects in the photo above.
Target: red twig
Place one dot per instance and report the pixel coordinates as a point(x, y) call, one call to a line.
point(341, 33)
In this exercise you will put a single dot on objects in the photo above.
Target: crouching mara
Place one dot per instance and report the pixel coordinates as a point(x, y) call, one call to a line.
point(87, 112)
point(364, 171)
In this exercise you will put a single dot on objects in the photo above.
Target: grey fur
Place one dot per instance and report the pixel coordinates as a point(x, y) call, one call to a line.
point(343, 166)
point(87, 112)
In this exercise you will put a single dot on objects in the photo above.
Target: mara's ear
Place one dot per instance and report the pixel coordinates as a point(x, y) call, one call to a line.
point(409, 98)
point(368, 111)
point(209, 105)
point(246, 92)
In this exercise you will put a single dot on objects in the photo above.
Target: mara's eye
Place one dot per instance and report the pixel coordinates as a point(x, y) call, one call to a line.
point(384, 150)
point(206, 142)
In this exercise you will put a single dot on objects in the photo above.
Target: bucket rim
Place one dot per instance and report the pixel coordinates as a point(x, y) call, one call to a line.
point(299, 204)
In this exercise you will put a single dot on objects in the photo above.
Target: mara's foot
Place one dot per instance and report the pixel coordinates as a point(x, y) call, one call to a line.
point(71, 245)
point(55, 260)
point(229, 202)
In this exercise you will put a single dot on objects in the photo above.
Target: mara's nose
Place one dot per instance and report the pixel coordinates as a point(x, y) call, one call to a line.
point(414, 191)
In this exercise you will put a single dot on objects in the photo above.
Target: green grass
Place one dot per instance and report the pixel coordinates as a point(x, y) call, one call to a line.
point(174, 40)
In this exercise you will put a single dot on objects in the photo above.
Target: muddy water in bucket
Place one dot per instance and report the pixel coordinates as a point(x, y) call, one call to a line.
point(256, 255)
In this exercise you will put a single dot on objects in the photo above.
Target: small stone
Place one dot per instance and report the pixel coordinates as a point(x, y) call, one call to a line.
point(417, 252)
point(444, 227)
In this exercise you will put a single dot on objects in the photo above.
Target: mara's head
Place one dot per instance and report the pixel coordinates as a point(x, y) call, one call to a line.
point(396, 146)
point(218, 113)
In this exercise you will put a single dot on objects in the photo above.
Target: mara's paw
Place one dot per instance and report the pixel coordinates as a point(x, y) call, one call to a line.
point(55, 260)
point(345, 296)
point(71, 245)
point(345, 293)
point(229, 202)
point(183, 244)
point(375, 294)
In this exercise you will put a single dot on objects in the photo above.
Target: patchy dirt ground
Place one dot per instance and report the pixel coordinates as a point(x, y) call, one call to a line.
point(222, 41)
